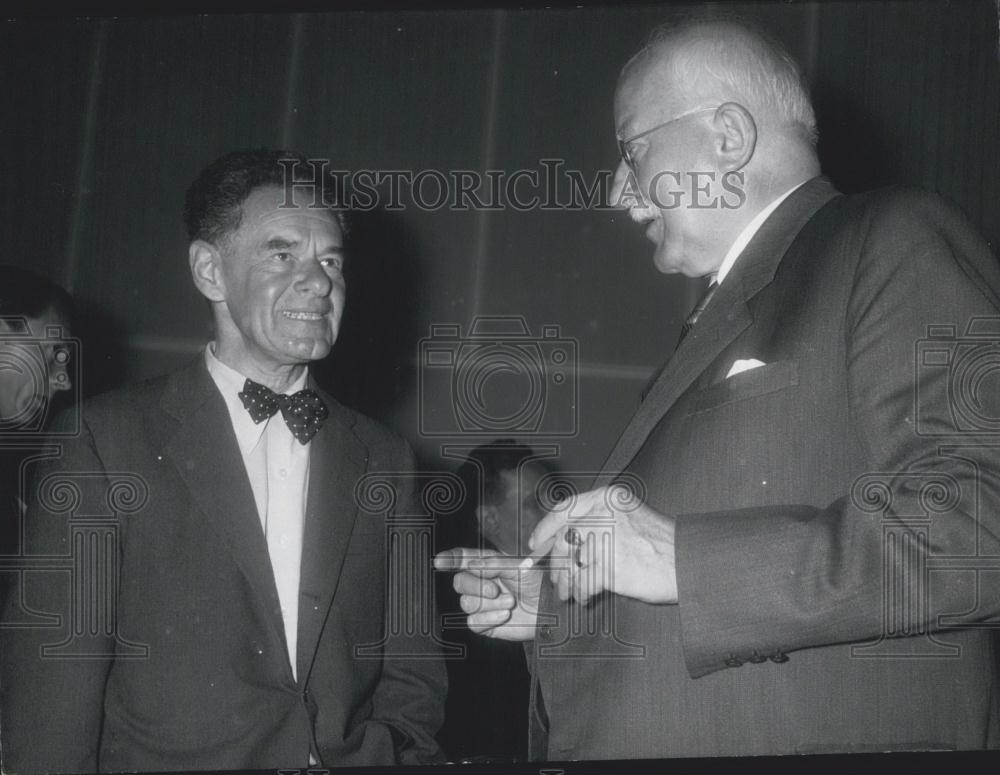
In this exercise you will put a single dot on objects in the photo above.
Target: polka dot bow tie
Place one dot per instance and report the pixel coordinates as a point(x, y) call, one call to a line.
point(304, 412)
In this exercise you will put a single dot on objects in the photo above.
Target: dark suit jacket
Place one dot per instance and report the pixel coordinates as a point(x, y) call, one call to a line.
point(813, 497)
point(486, 709)
point(200, 678)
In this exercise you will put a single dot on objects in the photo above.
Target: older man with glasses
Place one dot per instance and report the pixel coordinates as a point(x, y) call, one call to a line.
point(751, 573)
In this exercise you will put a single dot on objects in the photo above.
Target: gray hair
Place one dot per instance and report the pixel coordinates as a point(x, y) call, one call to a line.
point(731, 60)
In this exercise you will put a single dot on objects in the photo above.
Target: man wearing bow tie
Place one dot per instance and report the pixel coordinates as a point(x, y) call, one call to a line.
point(243, 627)
point(805, 558)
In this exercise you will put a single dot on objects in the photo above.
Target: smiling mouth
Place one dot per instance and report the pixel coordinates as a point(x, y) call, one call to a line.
point(313, 316)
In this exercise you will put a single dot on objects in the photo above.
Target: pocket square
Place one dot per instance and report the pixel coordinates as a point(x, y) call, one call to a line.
point(740, 366)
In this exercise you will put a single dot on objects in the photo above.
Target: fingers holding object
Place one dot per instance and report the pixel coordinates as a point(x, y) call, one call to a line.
point(466, 583)
point(473, 604)
point(462, 558)
point(486, 613)
point(561, 573)
point(581, 574)
point(575, 541)
point(484, 621)
point(589, 577)
point(548, 529)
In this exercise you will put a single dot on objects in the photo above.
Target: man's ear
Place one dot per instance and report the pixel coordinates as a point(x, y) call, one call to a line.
point(206, 270)
point(736, 133)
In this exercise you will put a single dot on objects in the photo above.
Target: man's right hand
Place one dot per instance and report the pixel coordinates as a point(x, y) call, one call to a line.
point(500, 597)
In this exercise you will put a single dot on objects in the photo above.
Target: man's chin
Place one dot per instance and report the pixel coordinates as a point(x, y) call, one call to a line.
point(312, 351)
point(296, 352)
point(664, 262)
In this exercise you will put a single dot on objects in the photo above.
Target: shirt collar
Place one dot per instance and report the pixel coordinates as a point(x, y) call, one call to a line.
point(739, 245)
point(230, 384)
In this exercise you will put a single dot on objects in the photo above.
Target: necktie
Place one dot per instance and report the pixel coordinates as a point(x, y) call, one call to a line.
point(304, 412)
point(685, 330)
point(696, 312)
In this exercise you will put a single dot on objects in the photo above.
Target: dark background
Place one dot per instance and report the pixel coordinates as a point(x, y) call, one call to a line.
point(107, 120)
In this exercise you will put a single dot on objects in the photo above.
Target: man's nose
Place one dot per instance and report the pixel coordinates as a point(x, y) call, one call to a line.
point(314, 278)
point(621, 177)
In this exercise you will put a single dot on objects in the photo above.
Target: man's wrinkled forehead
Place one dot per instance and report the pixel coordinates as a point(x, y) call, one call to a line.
point(645, 85)
point(302, 217)
point(272, 206)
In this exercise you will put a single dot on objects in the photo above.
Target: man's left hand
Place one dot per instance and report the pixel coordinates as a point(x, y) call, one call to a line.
point(607, 539)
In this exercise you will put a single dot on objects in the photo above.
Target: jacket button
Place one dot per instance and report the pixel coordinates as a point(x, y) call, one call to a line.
point(778, 658)
point(733, 661)
point(310, 704)
point(757, 658)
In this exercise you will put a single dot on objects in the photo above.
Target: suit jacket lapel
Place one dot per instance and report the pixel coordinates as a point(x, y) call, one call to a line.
point(205, 451)
point(338, 460)
point(722, 321)
point(725, 318)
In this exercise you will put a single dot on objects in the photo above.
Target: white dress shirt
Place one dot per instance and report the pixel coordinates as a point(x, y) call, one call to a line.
point(736, 249)
point(278, 468)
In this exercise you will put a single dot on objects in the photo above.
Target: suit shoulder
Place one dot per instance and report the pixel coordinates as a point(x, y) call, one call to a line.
point(115, 421)
point(114, 405)
point(922, 244)
point(902, 227)
point(134, 412)
point(909, 213)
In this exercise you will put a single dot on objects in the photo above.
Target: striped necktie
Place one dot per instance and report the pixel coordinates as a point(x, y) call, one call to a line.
point(696, 312)
point(685, 330)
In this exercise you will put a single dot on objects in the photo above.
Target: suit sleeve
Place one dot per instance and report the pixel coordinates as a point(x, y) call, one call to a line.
point(761, 582)
point(52, 684)
point(409, 699)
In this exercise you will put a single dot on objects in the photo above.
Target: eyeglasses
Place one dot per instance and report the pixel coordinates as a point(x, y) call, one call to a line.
point(623, 145)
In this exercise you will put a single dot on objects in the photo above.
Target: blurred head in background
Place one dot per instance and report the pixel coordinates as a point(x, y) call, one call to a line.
point(509, 506)
point(35, 359)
